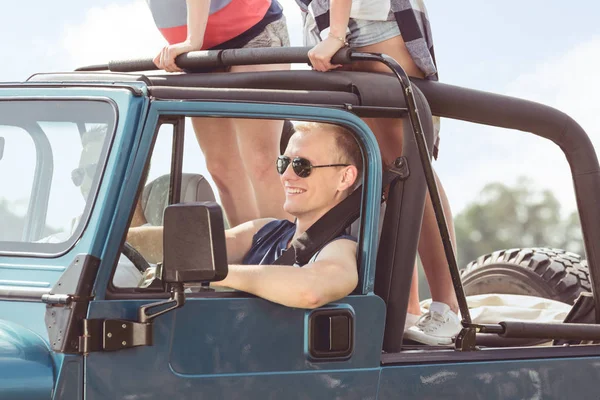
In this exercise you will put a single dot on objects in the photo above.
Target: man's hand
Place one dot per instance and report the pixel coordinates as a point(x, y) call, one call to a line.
point(197, 14)
point(166, 58)
point(320, 55)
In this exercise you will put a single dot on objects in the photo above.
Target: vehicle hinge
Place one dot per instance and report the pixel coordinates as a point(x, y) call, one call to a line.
point(118, 334)
point(63, 299)
point(113, 334)
point(56, 299)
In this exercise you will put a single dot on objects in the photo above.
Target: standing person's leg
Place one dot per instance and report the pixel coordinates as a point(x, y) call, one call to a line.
point(432, 253)
point(218, 140)
point(430, 246)
point(259, 139)
point(259, 144)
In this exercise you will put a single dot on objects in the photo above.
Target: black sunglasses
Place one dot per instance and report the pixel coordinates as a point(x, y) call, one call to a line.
point(301, 166)
point(78, 174)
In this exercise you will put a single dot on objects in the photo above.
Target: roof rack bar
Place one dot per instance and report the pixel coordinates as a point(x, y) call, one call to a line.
point(206, 59)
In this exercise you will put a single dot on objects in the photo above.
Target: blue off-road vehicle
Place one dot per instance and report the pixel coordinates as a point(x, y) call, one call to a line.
point(86, 155)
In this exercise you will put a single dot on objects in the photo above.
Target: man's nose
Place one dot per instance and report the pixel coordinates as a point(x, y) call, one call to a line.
point(289, 173)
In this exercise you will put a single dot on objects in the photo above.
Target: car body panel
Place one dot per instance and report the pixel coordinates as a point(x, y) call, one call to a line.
point(566, 378)
point(25, 363)
point(217, 347)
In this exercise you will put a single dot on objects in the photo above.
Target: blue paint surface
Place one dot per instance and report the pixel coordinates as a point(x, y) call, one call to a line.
point(232, 347)
point(26, 368)
point(559, 379)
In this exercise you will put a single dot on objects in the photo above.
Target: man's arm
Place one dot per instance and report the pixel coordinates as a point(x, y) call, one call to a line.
point(148, 240)
point(331, 277)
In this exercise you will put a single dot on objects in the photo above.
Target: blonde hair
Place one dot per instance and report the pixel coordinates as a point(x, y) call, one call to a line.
point(348, 149)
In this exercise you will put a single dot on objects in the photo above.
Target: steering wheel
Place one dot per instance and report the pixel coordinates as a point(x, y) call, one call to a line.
point(135, 257)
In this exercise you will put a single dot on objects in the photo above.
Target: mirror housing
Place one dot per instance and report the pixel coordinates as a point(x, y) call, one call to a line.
point(194, 243)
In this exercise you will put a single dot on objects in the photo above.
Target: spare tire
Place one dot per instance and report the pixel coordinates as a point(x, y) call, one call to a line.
point(549, 273)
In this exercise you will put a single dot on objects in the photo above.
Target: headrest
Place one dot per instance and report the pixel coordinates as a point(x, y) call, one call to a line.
point(155, 197)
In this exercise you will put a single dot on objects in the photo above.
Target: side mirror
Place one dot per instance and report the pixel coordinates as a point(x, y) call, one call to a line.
point(1, 147)
point(194, 243)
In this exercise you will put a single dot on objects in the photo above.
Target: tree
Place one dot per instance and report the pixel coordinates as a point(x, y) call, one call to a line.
point(512, 217)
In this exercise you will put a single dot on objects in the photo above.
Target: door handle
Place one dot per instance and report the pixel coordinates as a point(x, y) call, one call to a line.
point(331, 334)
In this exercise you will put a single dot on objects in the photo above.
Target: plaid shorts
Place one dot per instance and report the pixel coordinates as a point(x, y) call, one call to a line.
point(364, 32)
point(274, 35)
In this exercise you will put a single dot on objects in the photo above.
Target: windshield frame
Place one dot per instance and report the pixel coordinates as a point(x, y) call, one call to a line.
point(54, 250)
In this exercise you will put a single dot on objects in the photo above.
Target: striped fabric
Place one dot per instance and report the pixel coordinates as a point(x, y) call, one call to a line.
point(227, 19)
point(412, 19)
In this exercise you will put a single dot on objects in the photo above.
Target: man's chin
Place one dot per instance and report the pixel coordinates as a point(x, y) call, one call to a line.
point(292, 209)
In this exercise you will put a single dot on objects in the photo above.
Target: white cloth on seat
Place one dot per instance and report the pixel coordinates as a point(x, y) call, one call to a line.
point(494, 308)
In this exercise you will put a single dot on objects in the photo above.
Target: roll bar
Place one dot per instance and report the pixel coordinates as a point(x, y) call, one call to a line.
point(513, 113)
point(207, 59)
point(450, 102)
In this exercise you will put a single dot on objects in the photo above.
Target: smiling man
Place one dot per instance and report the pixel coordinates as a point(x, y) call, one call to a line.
point(319, 169)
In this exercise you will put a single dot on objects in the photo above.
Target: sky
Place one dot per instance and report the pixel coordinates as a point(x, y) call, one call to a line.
point(541, 50)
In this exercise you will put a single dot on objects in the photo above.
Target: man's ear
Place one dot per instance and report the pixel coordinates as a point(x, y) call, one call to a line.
point(348, 178)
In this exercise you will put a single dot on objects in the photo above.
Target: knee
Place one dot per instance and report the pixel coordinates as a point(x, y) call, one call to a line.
point(223, 170)
point(260, 164)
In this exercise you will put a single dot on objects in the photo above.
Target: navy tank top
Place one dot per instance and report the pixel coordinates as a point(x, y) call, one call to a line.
point(269, 243)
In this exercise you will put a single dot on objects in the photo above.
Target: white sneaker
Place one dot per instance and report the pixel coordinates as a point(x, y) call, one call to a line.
point(439, 326)
point(411, 320)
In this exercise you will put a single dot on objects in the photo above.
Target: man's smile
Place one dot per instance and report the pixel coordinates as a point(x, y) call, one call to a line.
point(294, 190)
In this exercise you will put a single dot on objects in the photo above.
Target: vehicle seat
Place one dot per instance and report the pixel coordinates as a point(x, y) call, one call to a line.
point(155, 197)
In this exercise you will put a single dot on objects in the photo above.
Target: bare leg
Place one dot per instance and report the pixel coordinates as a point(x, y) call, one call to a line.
point(432, 252)
point(413, 300)
point(218, 140)
point(259, 144)
point(389, 136)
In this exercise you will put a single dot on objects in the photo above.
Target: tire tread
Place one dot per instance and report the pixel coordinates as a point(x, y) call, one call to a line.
point(564, 272)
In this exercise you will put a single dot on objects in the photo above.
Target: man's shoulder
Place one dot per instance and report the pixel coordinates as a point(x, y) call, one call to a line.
point(341, 247)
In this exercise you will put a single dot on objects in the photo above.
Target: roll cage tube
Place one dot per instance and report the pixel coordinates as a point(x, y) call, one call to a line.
point(451, 102)
point(512, 113)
